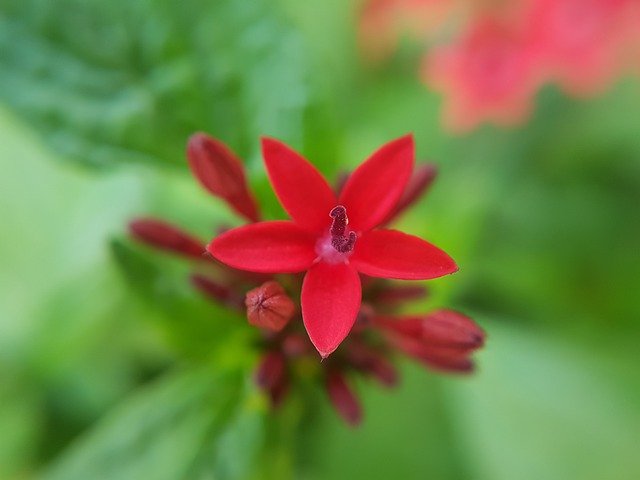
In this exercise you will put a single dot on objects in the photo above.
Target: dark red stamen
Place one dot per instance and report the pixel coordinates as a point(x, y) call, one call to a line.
point(344, 244)
point(341, 242)
point(340, 221)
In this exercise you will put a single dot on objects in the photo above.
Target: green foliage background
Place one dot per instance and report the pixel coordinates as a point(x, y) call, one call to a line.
point(111, 368)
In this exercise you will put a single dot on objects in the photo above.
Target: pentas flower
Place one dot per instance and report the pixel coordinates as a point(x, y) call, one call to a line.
point(343, 241)
point(333, 238)
point(583, 43)
point(488, 75)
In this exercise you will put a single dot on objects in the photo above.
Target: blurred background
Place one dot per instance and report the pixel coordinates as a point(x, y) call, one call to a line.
point(107, 365)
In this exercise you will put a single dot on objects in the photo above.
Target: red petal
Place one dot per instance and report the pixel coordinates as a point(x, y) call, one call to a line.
point(331, 297)
point(220, 172)
point(393, 254)
point(265, 247)
point(303, 192)
point(343, 399)
point(375, 187)
point(164, 236)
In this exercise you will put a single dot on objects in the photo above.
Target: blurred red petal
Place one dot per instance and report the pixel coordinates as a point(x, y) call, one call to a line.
point(343, 399)
point(220, 172)
point(265, 247)
point(331, 296)
point(374, 188)
point(164, 236)
point(393, 254)
point(302, 190)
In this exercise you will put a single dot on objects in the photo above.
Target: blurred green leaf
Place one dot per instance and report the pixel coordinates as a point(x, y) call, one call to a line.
point(120, 81)
point(183, 426)
point(194, 325)
point(544, 408)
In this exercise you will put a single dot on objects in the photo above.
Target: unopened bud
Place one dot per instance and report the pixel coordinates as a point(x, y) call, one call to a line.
point(343, 399)
point(270, 371)
point(296, 345)
point(452, 329)
point(216, 291)
point(420, 181)
point(167, 237)
point(373, 363)
point(268, 306)
point(221, 173)
point(394, 294)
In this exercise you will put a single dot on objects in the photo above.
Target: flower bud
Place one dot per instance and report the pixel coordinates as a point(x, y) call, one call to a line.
point(420, 181)
point(221, 173)
point(216, 291)
point(295, 345)
point(452, 329)
point(343, 399)
point(164, 236)
point(270, 371)
point(395, 294)
point(373, 363)
point(268, 306)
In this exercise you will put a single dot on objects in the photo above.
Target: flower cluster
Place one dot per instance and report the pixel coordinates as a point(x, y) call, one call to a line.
point(505, 51)
point(326, 270)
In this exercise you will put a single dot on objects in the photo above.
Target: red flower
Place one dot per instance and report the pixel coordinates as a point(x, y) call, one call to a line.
point(333, 239)
point(489, 74)
point(583, 42)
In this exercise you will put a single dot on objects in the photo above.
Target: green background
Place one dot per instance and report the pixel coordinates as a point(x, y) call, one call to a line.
point(110, 367)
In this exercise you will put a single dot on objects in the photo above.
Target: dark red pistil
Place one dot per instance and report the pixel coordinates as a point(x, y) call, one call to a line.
point(341, 242)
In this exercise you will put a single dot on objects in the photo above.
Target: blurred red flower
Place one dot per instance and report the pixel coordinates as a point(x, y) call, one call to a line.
point(488, 74)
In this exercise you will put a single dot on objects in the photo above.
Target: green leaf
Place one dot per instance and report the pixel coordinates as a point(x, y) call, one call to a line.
point(192, 424)
point(191, 323)
point(114, 82)
point(542, 407)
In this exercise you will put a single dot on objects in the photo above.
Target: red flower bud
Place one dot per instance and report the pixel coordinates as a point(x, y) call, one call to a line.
point(406, 326)
point(373, 363)
point(271, 370)
point(420, 181)
point(400, 293)
point(296, 345)
point(343, 399)
point(453, 360)
point(216, 291)
point(446, 360)
point(452, 329)
point(221, 173)
point(268, 306)
point(279, 391)
point(164, 236)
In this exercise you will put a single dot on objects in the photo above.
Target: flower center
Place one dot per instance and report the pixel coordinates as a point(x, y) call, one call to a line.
point(337, 246)
point(341, 242)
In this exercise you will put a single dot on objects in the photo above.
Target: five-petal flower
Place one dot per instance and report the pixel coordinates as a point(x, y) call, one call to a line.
point(333, 238)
